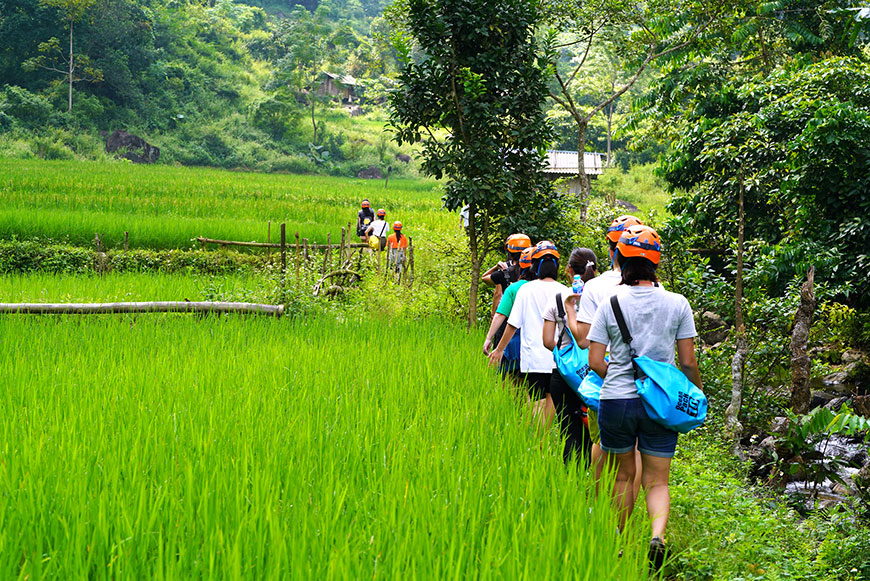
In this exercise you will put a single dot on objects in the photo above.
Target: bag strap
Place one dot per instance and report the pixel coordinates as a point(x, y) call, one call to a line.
point(626, 336)
point(560, 310)
point(620, 320)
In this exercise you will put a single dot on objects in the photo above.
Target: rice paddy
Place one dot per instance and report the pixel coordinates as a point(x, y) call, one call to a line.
point(167, 207)
point(333, 445)
point(179, 447)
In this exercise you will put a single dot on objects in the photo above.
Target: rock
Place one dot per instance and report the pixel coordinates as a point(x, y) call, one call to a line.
point(354, 110)
point(370, 173)
point(779, 425)
point(821, 398)
point(713, 328)
point(861, 405)
point(136, 149)
point(403, 157)
point(836, 403)
point(852, 356)
point(836, 378)
point(627, 205)
point(768, 444)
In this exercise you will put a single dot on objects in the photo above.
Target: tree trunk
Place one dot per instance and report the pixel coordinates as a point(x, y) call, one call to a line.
point(313, 123)
point(732, 412)
point(585, 188)
point(609, 135)
point(476, 259)
point(800, 361)
point(71, 66)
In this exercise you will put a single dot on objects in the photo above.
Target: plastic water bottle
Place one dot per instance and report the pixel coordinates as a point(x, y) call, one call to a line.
point(577, 287)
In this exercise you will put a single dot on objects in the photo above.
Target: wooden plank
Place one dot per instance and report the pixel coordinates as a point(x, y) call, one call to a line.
point(140, 307)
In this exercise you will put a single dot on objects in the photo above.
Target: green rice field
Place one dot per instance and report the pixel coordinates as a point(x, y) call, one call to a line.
point(167, 207)
point(182, 447)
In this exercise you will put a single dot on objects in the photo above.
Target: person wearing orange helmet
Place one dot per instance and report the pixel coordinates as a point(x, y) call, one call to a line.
point(363, 218)
point(527, 314)
point(397, 244)
point(378, 229)
point(657, 320)
point(595, 292)
point(506, 272)
point(510, 363)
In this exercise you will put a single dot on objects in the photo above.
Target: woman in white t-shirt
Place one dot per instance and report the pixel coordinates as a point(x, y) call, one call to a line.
point(570, 410)
point(657, 320)
point(536, 361)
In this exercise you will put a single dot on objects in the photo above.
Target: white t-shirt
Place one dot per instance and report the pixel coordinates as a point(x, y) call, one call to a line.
point(655, 318)
point(532, 300)
point(596, 291)
point(379, 228)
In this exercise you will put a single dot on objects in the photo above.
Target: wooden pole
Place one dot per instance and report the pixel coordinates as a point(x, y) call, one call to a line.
point(283, 254)
point(305, 250)
point(140, 307)
point(126, 239)
point(296, 257)
point(410, 262)
point(269, 238)
point(326, 254)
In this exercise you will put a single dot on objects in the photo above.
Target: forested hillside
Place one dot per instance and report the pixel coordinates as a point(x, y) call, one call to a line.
point(223, 83)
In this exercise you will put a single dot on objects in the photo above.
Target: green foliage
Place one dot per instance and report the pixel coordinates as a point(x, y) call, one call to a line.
point(798, 146)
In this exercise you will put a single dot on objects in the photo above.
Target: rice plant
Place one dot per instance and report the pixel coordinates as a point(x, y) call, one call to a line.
point(167, 207)
point(170, 446)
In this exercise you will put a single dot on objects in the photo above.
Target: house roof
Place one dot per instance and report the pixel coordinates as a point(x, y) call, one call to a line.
point(565, 163)
point(342, 79)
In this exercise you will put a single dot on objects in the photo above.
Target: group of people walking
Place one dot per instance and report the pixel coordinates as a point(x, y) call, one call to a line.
point(372, 228)
point(535, 311)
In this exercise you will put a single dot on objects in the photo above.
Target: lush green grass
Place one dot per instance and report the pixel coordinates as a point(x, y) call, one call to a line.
point(166, 207)
point(639, 185)
point(178, 447)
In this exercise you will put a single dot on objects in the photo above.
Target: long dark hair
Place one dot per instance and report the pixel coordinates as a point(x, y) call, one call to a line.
point(580, 260)
point(636, 269)
point(546, 267)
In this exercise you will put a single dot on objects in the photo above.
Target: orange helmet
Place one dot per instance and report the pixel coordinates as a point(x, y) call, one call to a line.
point(640, 241)
point(619, 225)
point(517, 242)
point(397, 226)
point(365, 204)
point(545, 248)
point(381, 212)
point(526, 257)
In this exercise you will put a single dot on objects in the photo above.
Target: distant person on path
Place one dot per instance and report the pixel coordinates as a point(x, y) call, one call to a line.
point(596, 292)
point(656, 320)
point(510, 364)
point(365, 217)
point(536, 361)
point(397, 244)
point(570, 409)
point(377, 231)
point(505, 273)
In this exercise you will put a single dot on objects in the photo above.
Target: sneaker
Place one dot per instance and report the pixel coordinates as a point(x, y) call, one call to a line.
point(657, 554)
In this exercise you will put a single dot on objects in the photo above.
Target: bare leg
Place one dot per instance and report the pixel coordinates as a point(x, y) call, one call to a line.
point(638, 478)
point(658, 495)
point(623, 488)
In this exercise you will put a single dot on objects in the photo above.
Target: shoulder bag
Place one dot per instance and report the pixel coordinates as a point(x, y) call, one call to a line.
point(666, 393)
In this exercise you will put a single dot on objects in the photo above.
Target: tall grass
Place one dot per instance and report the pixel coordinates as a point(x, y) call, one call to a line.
point(166, 207)
point(176, 447)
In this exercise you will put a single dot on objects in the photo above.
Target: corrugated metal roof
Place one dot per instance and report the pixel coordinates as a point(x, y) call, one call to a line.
point(565, 163)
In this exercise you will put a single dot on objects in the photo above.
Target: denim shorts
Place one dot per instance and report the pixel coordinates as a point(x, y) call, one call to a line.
point(624, 423)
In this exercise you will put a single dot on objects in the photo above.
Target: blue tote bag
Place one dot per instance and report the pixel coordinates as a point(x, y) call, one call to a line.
point(669, 397)
point(571, 361)
point(666, 393)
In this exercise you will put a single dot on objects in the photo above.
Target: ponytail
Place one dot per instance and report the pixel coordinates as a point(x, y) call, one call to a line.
point(583, 262)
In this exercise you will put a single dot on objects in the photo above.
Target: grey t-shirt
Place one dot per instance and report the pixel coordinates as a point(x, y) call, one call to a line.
point(656, 319)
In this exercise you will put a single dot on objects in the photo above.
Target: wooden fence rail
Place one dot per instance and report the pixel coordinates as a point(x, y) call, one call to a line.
point(140, 307)
point(204, 241)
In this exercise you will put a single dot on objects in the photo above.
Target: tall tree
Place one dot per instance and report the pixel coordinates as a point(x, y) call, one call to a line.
point(76, 68)
point(642, 33)
point(472, 90)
